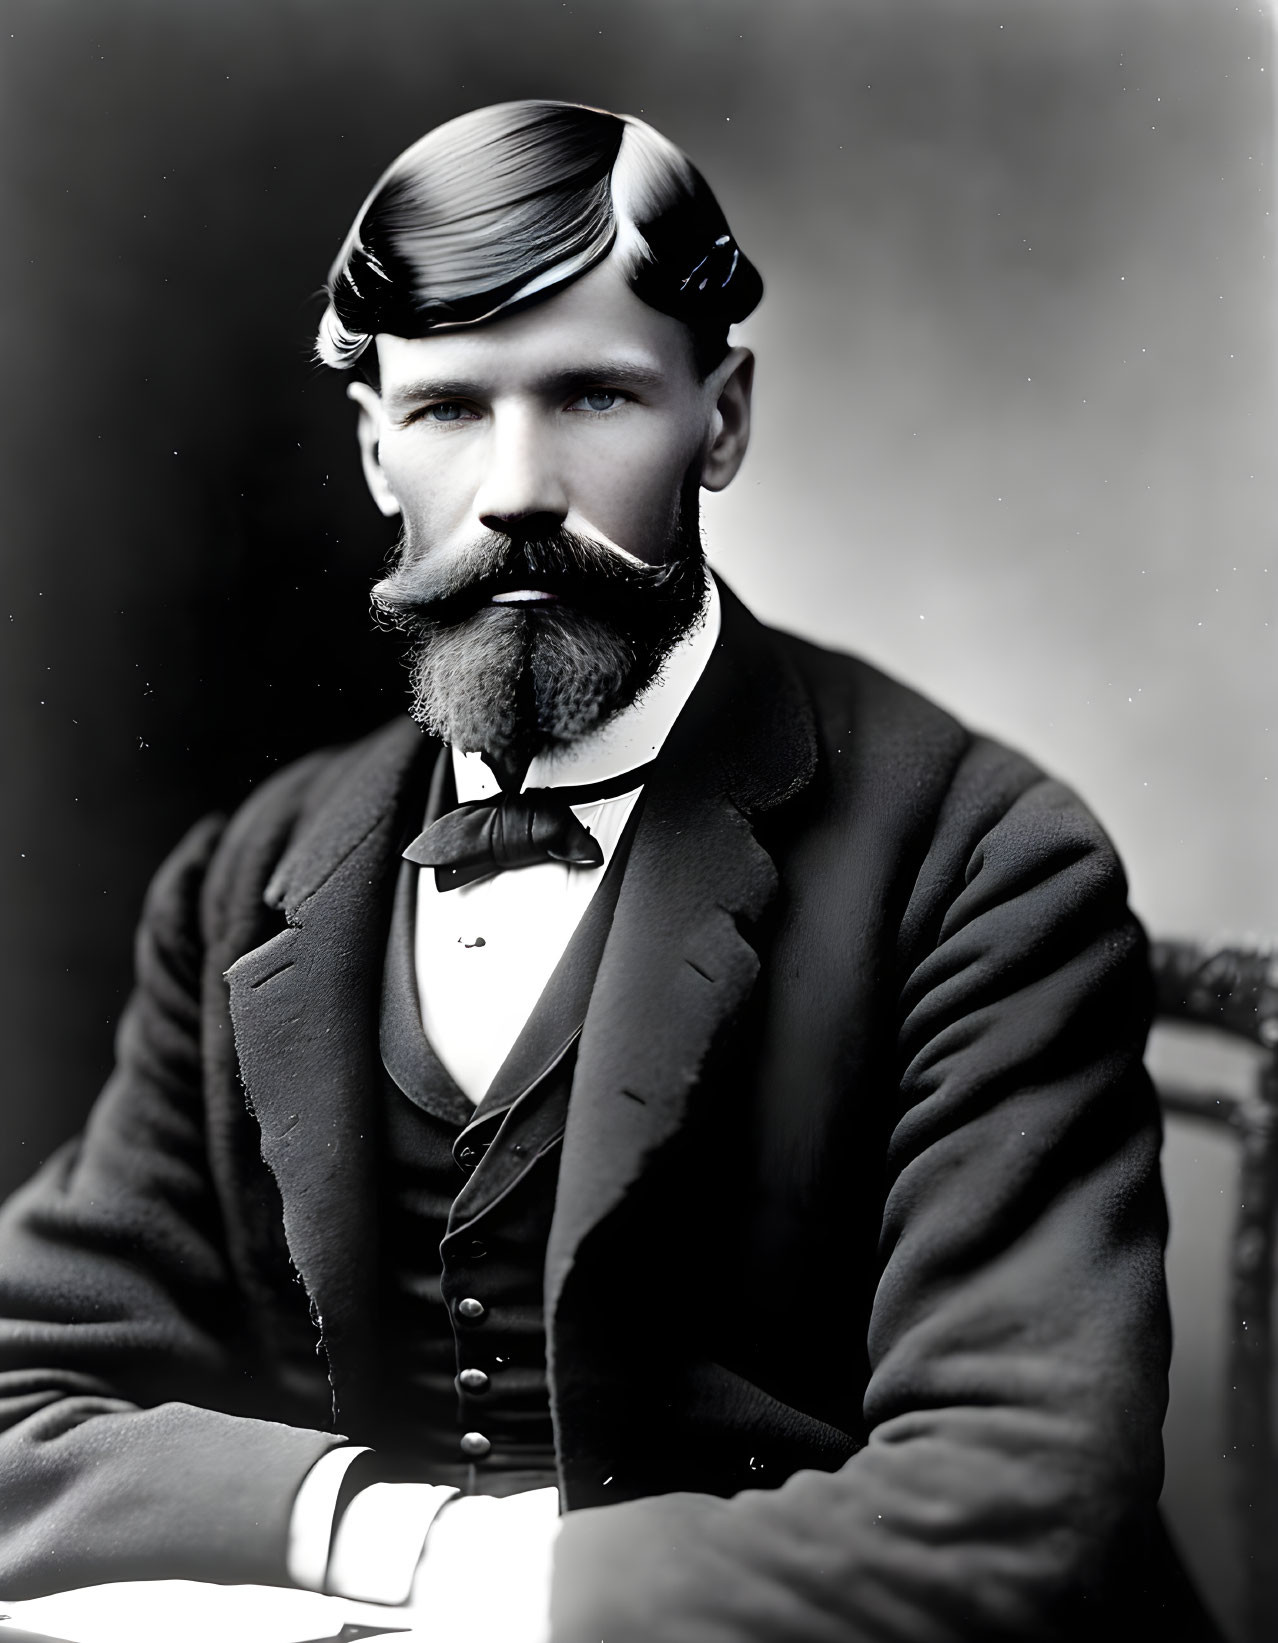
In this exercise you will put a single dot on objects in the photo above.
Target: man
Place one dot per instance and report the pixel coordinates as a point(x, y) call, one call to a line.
point(695, 1085)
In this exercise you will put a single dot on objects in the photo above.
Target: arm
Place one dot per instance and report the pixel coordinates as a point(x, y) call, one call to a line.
point(394, 1543)
point(1018, 1339)
point(116, 1299)
point(124, 1448)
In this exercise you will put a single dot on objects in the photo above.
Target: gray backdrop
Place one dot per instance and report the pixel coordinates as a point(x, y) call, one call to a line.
point(1015, 423)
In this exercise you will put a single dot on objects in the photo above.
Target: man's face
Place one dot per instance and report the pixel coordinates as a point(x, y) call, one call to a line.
point(546, 466)
point(584, 409)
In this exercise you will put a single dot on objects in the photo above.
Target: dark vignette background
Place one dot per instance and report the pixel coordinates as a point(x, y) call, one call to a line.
point(1014, 439)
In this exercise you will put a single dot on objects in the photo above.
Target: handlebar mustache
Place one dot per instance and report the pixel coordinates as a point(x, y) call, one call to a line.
point(422, 594)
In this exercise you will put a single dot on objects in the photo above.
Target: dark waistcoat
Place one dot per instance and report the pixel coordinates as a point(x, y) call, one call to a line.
point(467, 1194)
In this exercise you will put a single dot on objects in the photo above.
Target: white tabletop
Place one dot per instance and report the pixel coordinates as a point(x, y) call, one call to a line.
point(160, 1611)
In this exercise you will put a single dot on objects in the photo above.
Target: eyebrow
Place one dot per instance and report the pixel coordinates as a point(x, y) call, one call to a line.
point(614, 373)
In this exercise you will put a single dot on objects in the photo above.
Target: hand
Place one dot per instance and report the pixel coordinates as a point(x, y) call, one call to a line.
point(484, 1575)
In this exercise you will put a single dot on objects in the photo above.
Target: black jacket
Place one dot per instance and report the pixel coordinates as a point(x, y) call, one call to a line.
point(857, 1251)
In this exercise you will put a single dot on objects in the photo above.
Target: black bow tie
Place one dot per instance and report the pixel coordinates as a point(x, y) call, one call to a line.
point(489, 836)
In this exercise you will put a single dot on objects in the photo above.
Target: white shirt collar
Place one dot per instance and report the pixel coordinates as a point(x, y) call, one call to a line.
point(629, 739)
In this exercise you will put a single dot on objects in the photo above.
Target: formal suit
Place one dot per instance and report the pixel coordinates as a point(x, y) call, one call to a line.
point(856, 1253)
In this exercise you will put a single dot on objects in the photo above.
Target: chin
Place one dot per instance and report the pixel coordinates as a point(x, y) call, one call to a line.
point(524, 676)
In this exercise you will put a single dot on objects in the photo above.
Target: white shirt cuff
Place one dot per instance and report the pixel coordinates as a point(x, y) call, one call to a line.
point(379, 1541)
point(310, 1529)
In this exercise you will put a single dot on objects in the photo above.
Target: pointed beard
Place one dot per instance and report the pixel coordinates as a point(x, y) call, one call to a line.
point(514, 680)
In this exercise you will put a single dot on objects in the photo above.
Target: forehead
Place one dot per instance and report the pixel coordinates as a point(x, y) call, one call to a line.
point(596, 319)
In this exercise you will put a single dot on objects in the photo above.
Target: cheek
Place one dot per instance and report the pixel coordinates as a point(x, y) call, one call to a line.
point(633, 498)
point(427, 489)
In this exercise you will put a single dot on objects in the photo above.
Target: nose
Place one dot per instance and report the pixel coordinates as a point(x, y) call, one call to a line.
point(521, 481)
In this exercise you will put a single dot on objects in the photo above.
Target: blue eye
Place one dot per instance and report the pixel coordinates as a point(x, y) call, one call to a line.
point(447, 411)
point(600, 399)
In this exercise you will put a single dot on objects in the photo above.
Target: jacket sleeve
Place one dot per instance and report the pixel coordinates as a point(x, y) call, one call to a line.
point(121, 1454)
point(1018, 1340)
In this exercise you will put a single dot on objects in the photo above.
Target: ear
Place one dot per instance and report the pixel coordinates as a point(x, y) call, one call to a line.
point(369, 433)
point(730, 384)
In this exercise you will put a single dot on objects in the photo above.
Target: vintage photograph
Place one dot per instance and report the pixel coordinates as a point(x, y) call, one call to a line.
point(639, 869)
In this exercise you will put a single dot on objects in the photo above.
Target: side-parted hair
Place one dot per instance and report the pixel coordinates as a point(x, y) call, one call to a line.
point(500, 206)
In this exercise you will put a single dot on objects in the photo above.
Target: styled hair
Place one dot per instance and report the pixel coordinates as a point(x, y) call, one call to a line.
point(503, 205)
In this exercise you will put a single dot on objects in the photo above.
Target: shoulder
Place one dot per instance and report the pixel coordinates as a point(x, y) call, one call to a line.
point(229, 860)
point(882, 738)
point(931, 805)
point(277, 809)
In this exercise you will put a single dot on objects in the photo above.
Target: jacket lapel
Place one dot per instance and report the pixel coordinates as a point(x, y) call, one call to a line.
point(304, 1006)
point(677, 966)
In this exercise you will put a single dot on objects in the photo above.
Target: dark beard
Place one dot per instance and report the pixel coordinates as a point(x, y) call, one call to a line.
point(512, 681)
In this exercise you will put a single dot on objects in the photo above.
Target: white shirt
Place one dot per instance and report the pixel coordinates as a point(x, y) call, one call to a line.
point(483, 955)
point(485, 952)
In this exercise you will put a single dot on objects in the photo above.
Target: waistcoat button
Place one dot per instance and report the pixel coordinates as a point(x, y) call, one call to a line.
point(475, 1444)
point(470, 1308)
point(472, 1380)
